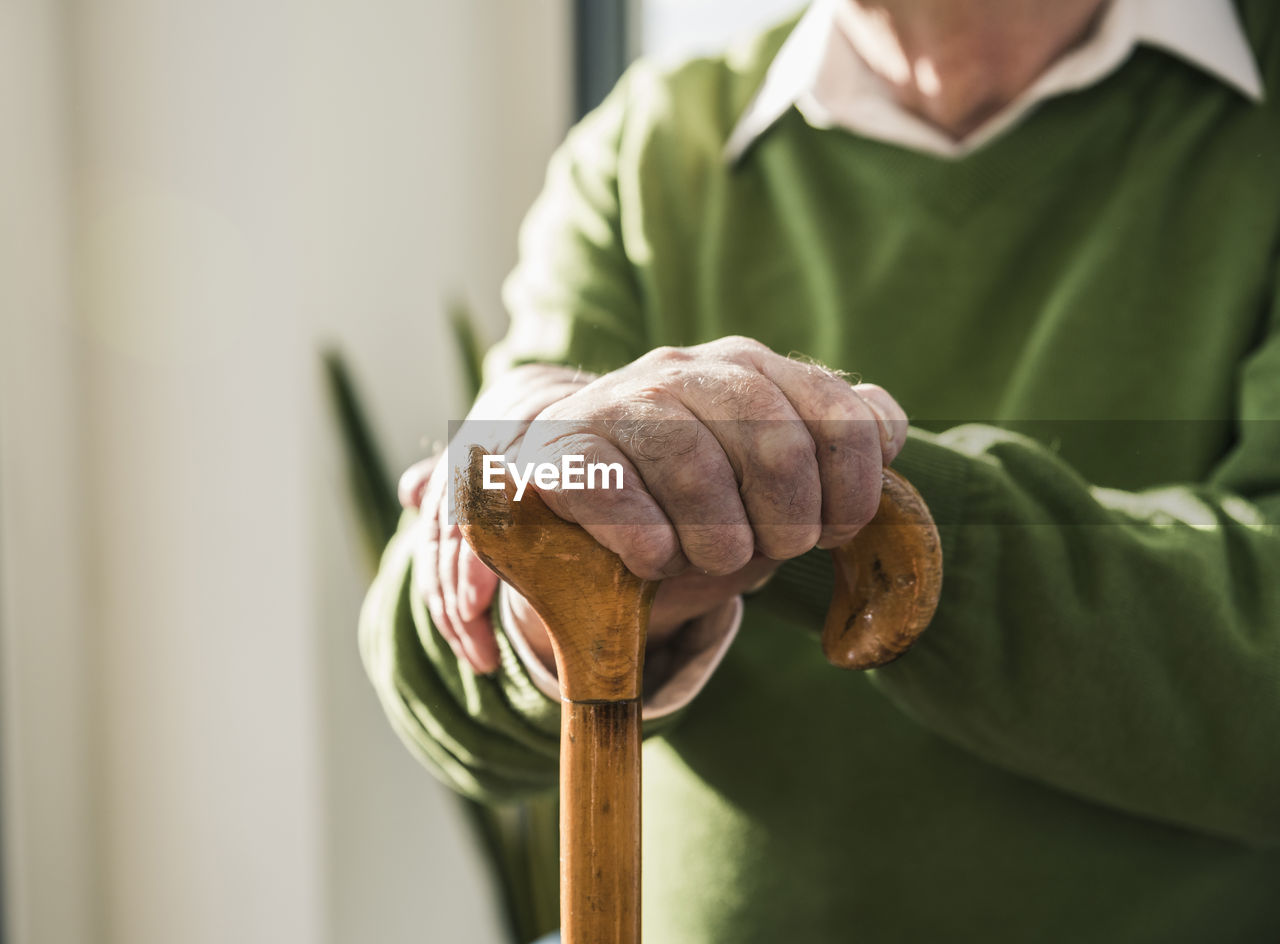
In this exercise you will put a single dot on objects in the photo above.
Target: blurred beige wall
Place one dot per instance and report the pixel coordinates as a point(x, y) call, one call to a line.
point(196, 195)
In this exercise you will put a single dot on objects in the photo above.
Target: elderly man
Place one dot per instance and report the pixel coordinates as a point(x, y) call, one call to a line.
point(1049, 233)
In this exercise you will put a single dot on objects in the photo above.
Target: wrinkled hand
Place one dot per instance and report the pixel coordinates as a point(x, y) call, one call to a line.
point(459, 589)
point(735, 459)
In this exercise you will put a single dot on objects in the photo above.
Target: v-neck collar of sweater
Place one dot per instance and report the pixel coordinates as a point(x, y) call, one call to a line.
point(818, 72)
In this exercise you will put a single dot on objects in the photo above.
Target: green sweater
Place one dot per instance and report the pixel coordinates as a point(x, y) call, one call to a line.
point(1082, 320)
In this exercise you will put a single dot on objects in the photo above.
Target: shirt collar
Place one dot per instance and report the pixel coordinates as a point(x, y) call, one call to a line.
point(817, 71)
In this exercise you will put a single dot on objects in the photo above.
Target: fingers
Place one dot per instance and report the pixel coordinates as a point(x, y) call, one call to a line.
point(729, 454)
point(691, 478)
point(892, 419)
point(816, 391)
point(679, 506)
point(855, 431)
point(628, 521)
point(476, 585)
point(810, 454)
point(456, 587)
point(772, 456)
point(525, 622)
point(728, 449)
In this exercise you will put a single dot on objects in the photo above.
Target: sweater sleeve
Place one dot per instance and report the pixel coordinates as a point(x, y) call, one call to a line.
point(572, 301)
point(491, 738)
point(1122, 646)
point(573, 297)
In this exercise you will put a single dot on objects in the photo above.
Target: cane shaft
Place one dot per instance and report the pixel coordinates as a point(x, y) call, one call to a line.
point(600, 822)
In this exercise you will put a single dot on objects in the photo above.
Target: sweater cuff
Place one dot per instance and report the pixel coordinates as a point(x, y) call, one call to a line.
point(673, 673)
point(940, 475)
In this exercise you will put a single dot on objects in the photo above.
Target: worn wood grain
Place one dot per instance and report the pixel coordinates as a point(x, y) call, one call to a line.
point(597, 612)
point(888, 580)
point(600, 839)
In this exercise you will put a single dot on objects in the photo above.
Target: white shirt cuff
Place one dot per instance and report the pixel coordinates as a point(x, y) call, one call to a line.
point(673, 673)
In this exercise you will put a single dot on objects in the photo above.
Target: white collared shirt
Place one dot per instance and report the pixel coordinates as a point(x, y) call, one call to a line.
point(818, 71)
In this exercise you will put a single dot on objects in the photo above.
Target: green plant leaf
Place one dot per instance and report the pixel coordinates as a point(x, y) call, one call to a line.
point(519, 841)
point(466, 337)
point(373, 490)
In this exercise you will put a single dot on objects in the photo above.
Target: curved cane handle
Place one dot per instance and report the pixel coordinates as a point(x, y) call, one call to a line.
point(888, 579)
point(596, 614)
point(595, 610)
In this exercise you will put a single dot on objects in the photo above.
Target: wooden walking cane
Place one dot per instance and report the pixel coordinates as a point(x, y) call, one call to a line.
point(597, 612)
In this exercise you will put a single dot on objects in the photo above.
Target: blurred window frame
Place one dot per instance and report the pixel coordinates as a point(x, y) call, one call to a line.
point(602, 47)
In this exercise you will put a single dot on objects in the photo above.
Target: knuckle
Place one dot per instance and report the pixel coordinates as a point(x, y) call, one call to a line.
point(665, 354)
point(676, 449)
point(740, 342)
point(571, 440)
point(847, 410)
point(700, 471)
point(784, 451)
point(564, 423)
point(738, 347)
point(752, 396)
point(848, 429)
point(656, 390)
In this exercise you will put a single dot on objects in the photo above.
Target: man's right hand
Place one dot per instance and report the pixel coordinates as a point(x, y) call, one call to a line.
point(735, 458)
